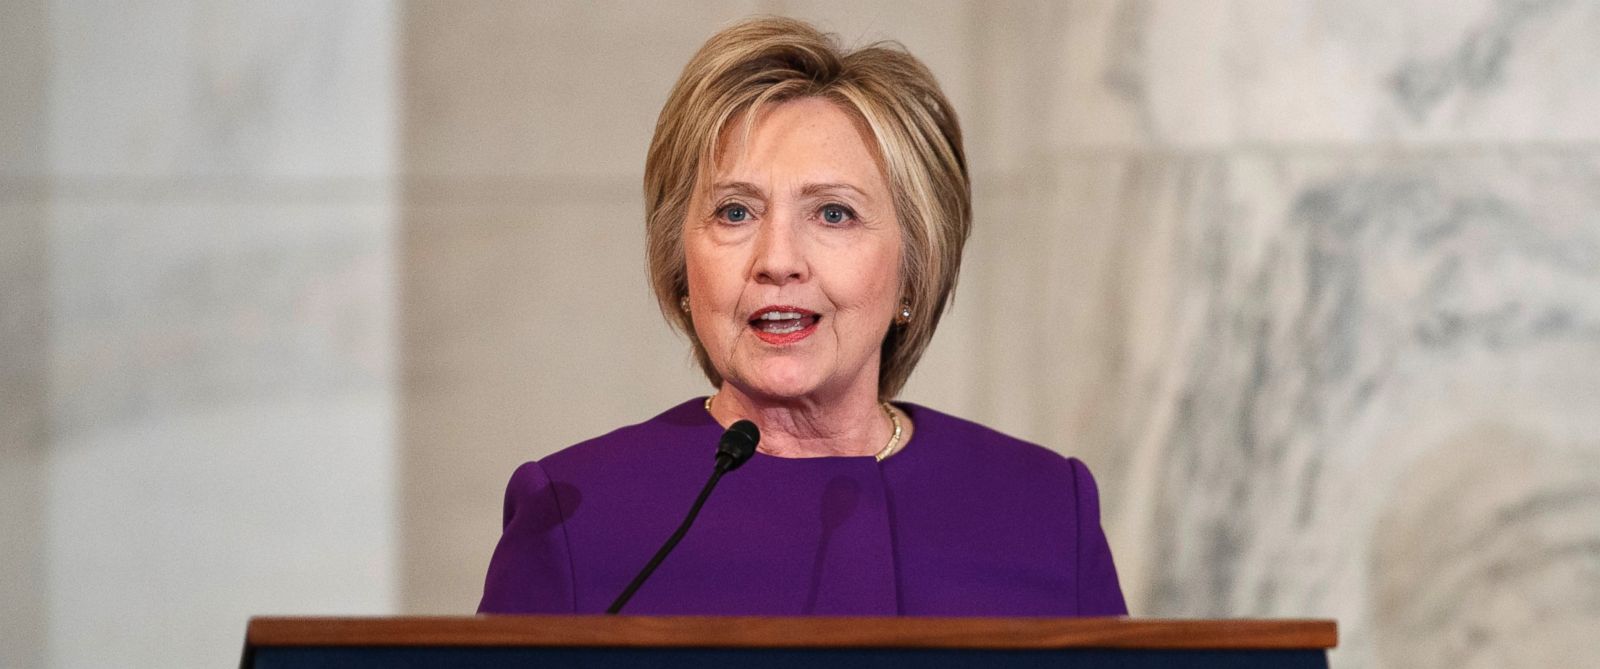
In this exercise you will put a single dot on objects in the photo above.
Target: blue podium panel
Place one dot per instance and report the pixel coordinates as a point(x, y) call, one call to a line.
point(780, 658)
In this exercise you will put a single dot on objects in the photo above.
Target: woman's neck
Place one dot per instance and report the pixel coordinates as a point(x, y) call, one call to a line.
point(851, 425)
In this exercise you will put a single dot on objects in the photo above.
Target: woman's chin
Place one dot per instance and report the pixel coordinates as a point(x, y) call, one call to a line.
point(788, 379)
point(782, 384)
point(783, 390)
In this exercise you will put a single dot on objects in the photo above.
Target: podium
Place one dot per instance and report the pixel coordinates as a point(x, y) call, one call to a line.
point(482, 642)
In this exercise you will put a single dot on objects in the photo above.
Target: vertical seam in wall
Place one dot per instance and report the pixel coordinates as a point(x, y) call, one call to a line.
point(25, 396)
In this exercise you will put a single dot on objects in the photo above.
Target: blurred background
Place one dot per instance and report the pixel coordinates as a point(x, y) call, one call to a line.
point(288, 289)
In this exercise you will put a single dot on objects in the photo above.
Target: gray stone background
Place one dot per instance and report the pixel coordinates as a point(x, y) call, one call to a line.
point(287, 289)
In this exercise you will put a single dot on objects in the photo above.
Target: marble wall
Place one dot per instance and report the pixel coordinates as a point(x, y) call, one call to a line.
point(1338, 354)
point(198, 406)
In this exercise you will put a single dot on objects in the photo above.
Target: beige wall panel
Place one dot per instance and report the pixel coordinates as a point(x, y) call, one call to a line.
point(211, 433)
point(221, 422)
point(296, 90)
point(529, 326)
point(24, 428)
point(182, 306)
point(940, 33)
point(1054, 76)
point(562, 90)
point(25, 76)
point(24, 331)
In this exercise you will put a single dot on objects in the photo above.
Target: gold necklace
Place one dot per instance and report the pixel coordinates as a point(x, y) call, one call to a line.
point(888, 449)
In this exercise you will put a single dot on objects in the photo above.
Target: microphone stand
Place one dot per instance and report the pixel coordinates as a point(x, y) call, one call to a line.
point(738, 444)
point(650, 567)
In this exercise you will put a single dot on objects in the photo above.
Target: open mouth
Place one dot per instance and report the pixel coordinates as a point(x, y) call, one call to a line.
point(783, 324)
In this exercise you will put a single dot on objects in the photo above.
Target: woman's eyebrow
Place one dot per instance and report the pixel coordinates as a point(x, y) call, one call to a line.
point(744, 188)
point(812, 190)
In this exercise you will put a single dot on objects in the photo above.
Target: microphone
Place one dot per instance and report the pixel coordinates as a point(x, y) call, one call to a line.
point(735, 447)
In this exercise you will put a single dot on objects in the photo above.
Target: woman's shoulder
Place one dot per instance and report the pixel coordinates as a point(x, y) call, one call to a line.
point(957, 441)
point(663, 437)
point(964, 454)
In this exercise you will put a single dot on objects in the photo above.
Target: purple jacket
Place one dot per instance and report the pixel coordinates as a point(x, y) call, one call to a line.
point(964, 521)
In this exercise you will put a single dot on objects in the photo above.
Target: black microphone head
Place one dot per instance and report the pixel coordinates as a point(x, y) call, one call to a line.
point(738, 444)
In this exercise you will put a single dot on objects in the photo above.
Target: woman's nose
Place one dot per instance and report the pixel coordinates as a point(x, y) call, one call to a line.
point(779, 255)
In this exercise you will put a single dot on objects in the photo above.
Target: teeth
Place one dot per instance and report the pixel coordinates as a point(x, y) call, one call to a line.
point(779, 316)
point(783, 329)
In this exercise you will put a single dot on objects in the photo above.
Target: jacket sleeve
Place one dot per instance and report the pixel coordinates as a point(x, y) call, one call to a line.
point(531, 570)
point(1099, 593)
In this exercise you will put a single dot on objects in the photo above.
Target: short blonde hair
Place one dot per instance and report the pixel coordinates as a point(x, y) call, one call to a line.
point(771, 60)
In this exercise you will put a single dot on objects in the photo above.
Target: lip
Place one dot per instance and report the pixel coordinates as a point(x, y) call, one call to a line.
point(776, 339)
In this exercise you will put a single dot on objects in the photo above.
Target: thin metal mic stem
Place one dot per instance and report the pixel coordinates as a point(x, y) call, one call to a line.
point(650, 567)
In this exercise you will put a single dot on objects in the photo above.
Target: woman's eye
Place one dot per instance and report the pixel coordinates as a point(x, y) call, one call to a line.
point(735, 213)
point(834, 214)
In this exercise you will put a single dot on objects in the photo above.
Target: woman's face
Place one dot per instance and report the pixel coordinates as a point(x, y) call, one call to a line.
point(793, 253)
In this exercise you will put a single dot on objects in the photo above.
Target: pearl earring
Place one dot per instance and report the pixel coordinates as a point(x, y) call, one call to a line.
point(683, 303)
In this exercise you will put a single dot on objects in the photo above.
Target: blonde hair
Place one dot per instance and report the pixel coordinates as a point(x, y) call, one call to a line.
point(771, 60)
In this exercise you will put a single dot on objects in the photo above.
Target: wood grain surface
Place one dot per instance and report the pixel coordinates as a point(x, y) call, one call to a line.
point(751, 632)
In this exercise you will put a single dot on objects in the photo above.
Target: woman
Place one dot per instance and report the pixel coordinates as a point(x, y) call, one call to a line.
point(806, 213)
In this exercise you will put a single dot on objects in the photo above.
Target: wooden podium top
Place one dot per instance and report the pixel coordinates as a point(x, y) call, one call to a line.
point(809, 632)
